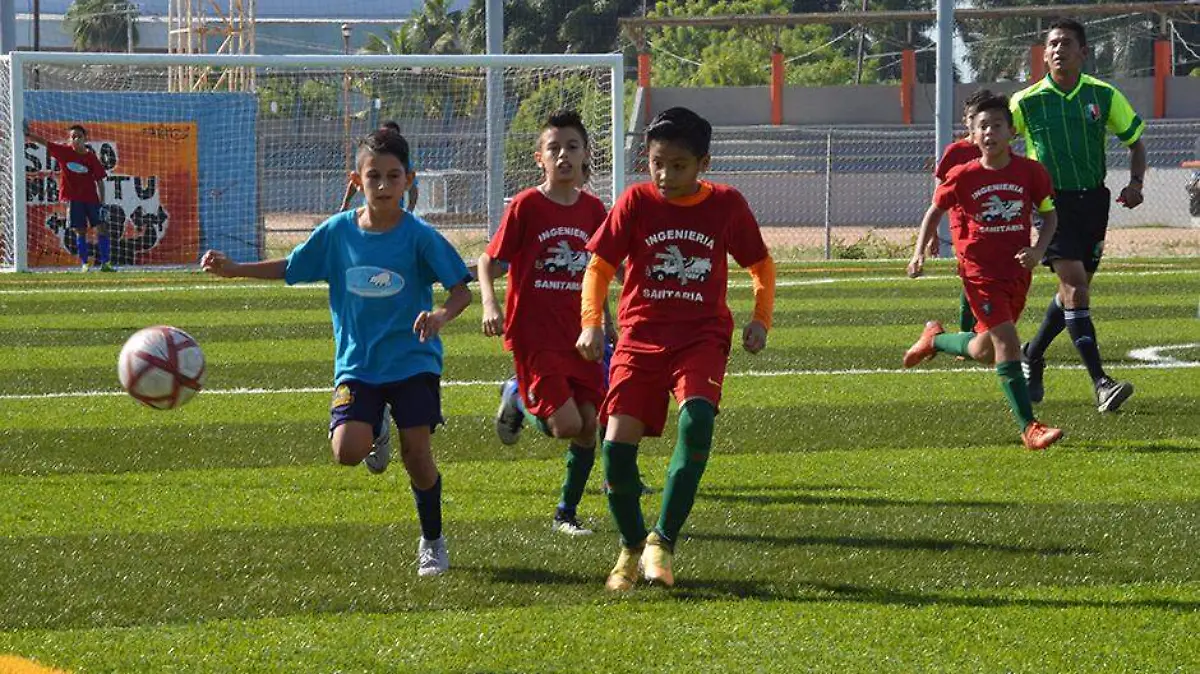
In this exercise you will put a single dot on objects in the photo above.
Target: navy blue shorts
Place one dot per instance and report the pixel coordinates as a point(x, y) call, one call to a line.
point(82, 215)
point(1082, 227)
point(416, 401)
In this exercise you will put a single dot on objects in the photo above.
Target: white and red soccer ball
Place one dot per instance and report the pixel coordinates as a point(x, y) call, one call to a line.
point(162, 367)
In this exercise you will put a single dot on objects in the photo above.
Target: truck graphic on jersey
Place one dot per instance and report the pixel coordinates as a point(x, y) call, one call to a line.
point(674, 264)
point(997, 209)
point(562, 258)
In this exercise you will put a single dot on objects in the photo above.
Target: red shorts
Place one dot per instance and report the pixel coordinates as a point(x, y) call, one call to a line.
point(640, 384)
point(996, 301)
point(548, 379)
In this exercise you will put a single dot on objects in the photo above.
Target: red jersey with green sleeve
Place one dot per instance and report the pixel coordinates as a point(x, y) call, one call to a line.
point(956, 154)
point(80, 171)
point(675, 281)
point(997, 204)
point(544, 244)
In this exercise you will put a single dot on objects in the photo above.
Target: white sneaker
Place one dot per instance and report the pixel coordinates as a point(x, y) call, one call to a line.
point(381, 449)
point(432, 558)
point(508, 417)
point(570, 526)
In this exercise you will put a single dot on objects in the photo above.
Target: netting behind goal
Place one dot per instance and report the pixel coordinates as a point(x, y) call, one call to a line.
point(249, 159)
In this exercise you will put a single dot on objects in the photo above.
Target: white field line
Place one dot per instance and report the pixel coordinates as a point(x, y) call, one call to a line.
point(784, 283)
point(1164, 363)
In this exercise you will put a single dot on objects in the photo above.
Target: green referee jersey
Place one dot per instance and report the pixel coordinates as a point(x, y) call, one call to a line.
point(1065, 130)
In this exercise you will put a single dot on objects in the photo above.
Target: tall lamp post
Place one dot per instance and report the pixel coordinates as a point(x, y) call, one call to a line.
point(346, 96)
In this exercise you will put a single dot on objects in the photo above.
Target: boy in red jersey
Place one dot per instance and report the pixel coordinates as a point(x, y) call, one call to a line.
point(996, 193)
point(675, 234)
point(79, 186)
point(957, 153)
point(542, 238)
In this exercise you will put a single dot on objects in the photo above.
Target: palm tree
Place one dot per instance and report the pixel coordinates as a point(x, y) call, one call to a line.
point(102, 25)
point(394, 41)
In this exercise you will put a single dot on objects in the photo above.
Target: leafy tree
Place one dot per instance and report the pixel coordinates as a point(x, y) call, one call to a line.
point(694, 56)
point(102, 25)
point(578, 92)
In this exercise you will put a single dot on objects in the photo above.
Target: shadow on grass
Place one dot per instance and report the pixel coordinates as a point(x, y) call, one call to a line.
point(881, 543)
point(740, 496)
point(818, 592)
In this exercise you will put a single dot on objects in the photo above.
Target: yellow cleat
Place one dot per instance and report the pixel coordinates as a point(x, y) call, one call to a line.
point(656, 561)
point(625, 574)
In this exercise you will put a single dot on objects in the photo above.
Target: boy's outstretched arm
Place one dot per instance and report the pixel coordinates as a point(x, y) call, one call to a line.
point(928, 226)
point(754, 335)
point(30, 135)
point(428, 323)
point(218, 264)
point(493, 316)
point(595, 292)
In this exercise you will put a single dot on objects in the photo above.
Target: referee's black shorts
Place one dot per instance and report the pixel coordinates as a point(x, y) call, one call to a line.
point(1082, 226)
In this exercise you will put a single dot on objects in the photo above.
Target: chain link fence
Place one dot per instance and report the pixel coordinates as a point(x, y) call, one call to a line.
point(857, 192)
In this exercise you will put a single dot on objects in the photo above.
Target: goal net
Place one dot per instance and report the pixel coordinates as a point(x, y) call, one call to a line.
point(246, 154)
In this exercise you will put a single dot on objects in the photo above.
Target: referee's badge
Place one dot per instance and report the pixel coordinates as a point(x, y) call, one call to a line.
point(1093, 112)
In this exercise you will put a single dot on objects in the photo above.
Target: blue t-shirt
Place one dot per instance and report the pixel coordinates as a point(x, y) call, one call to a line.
point(378, 283)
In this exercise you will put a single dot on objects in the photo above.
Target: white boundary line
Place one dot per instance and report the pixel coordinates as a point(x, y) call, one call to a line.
point(1164, 363)
point(785, 283)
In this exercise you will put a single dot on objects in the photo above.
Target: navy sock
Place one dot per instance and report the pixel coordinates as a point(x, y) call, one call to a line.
point(1083, 333)
point(1051, 326)
point(85, 249)
point(102, 244)
point(429, 509)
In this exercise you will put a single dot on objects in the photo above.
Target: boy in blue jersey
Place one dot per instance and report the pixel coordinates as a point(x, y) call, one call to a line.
point(381, 263)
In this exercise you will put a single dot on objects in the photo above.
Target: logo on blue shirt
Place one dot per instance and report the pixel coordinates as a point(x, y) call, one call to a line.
point(373, 282)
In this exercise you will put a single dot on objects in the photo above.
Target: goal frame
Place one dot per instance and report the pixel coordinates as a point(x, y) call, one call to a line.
point(493, 63)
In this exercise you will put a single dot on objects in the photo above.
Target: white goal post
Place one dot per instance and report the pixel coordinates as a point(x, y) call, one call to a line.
point(226, 151)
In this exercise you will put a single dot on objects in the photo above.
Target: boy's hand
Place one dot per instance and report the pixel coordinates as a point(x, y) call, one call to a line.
point(916, 266)
point(493, 319)
point(590, 344)
point(428, 323)
point(216, 263)
point(1029, 257)
point(754, 337)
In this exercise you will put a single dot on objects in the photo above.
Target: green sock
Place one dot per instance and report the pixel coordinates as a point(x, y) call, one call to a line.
point(624, 490)
point(966, 318)
point(1012, 382)
point(957, 343)
point(687, 465)
point(579, 467)
point(537, 422)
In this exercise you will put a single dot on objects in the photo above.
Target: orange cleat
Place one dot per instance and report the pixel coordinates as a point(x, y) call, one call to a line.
point(923, 350)
point(1040, 436)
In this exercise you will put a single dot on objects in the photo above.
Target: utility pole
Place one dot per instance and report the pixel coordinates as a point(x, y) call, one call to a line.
point(37, 25)
point(129, 11)
point(862, 38)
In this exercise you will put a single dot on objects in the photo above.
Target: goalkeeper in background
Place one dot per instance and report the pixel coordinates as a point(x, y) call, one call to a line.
point(79, 186)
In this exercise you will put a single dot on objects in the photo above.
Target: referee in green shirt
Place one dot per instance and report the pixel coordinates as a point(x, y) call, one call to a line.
point(1065, 119)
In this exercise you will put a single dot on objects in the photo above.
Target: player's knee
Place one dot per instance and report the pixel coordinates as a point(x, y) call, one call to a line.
point(588, 426)
point(349, 453)
point(566, 426)
point(1073, 296)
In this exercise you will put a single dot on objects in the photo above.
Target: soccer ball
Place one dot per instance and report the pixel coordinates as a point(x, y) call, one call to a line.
point(162, 367)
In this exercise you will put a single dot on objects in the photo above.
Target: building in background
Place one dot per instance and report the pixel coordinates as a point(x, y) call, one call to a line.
point(283, 26)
